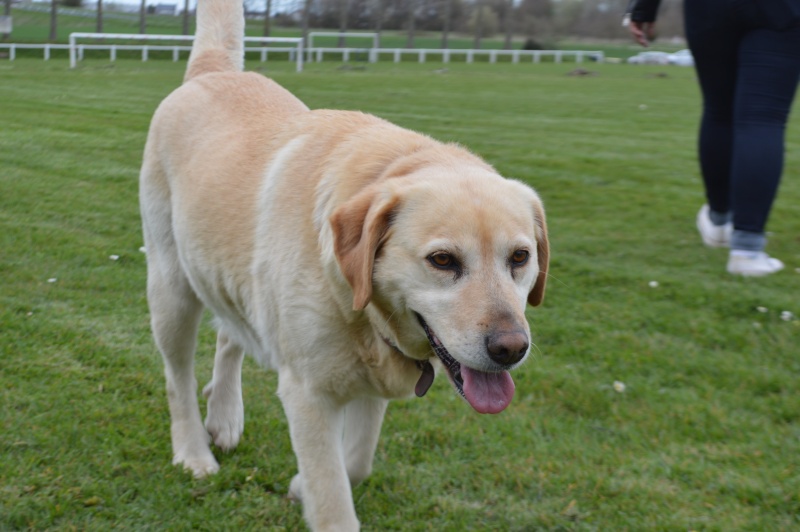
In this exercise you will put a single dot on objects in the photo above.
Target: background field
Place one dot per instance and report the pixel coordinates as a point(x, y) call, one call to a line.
point(705, 436)
point(34, 27)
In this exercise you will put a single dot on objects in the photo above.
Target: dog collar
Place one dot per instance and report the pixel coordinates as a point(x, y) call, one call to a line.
point(426, 379)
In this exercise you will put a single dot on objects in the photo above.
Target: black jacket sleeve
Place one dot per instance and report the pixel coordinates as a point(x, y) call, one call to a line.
point(643, 10)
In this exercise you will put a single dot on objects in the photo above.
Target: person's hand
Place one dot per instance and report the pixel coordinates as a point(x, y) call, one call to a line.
point(642, 32)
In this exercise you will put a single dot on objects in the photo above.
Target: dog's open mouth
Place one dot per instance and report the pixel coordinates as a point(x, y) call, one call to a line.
point(487, 393)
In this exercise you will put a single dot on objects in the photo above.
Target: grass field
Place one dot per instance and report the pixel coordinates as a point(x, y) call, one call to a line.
point(705, 435)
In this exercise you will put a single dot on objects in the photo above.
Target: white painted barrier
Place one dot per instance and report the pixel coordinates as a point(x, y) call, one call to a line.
point(75, 52)
point(318, 54)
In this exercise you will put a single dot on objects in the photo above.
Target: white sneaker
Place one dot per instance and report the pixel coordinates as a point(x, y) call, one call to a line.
point(714, 236)
point(752, 263)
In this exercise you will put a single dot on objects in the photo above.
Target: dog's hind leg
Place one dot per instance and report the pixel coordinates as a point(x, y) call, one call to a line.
point(175, 314)
point(316, 422)
point(225, 419)
point(363, 420)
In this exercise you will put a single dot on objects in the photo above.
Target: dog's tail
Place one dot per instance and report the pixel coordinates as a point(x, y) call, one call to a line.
point(219, 39)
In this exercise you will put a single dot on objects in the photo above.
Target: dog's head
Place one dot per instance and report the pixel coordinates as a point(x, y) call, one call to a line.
point(448, 260)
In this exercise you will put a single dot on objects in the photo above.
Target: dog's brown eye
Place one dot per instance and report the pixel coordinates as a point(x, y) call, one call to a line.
point(443, 261)
point(520, 257)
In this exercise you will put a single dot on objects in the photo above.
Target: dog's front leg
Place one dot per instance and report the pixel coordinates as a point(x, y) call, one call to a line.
point(316, 422)
point(363, 420)
point(225, 420)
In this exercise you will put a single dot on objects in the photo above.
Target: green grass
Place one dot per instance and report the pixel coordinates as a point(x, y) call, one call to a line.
point(705, 437)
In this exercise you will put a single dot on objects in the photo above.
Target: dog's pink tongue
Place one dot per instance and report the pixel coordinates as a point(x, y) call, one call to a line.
point(488, 393)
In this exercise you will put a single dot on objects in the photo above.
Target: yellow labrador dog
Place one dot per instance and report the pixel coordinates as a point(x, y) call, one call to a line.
point(348, 254)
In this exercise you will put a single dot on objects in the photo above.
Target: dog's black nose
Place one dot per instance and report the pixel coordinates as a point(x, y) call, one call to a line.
point(507, 347)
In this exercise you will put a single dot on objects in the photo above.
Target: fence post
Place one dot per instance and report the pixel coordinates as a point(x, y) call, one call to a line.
point(144, 53)
point(47, 52)
point(12, 52)
point(113, 52)
point(300, 56)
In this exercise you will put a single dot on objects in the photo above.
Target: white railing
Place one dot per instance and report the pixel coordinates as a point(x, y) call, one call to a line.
point(423, 55)
point(144, 49)
point(74, 46)
point(317, 54)
point(342, 35)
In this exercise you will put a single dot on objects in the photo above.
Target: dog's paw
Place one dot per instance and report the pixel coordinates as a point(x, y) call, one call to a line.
point(200, 462)
point(225, 419)
point(296, 489)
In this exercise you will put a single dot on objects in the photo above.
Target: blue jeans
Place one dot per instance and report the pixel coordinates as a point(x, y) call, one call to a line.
point(748, 65)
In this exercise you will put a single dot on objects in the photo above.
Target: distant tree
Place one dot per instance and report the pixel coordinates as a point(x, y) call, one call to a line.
point(535, 16)
point(412, 21)
point(307, 6)
point(379, 14)
point(344, 6)
point(186, 17)
point(267, 17)
point(478, 24)
point(99, 26)
point(446, 20)
point(7, 12)
point(53, 21)
point(508, 23)
point(483, 22)
point(143, 17)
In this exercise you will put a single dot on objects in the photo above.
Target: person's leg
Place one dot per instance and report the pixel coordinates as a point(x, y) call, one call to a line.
point(713, 37)
point(769, 69)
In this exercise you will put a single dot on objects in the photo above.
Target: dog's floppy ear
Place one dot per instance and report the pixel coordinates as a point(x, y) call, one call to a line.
point(536, 295)
point(359, 228)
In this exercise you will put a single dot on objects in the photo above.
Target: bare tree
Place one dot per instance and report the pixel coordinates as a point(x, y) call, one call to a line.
point(412, 15)
point(267, 16)
point(535, 19)
point(186, 17)
point(344, 6)
point(479, 6)
point(53, 21)
point(99, 25)
point(508, 24)
point(7, 12)
point(448, 12)
point(306, 15)
point(143, 17)
point(379, 19)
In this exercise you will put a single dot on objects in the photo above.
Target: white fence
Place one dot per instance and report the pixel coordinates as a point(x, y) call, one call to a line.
point(446, 55)
point(74, 51)
point(295, 53)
